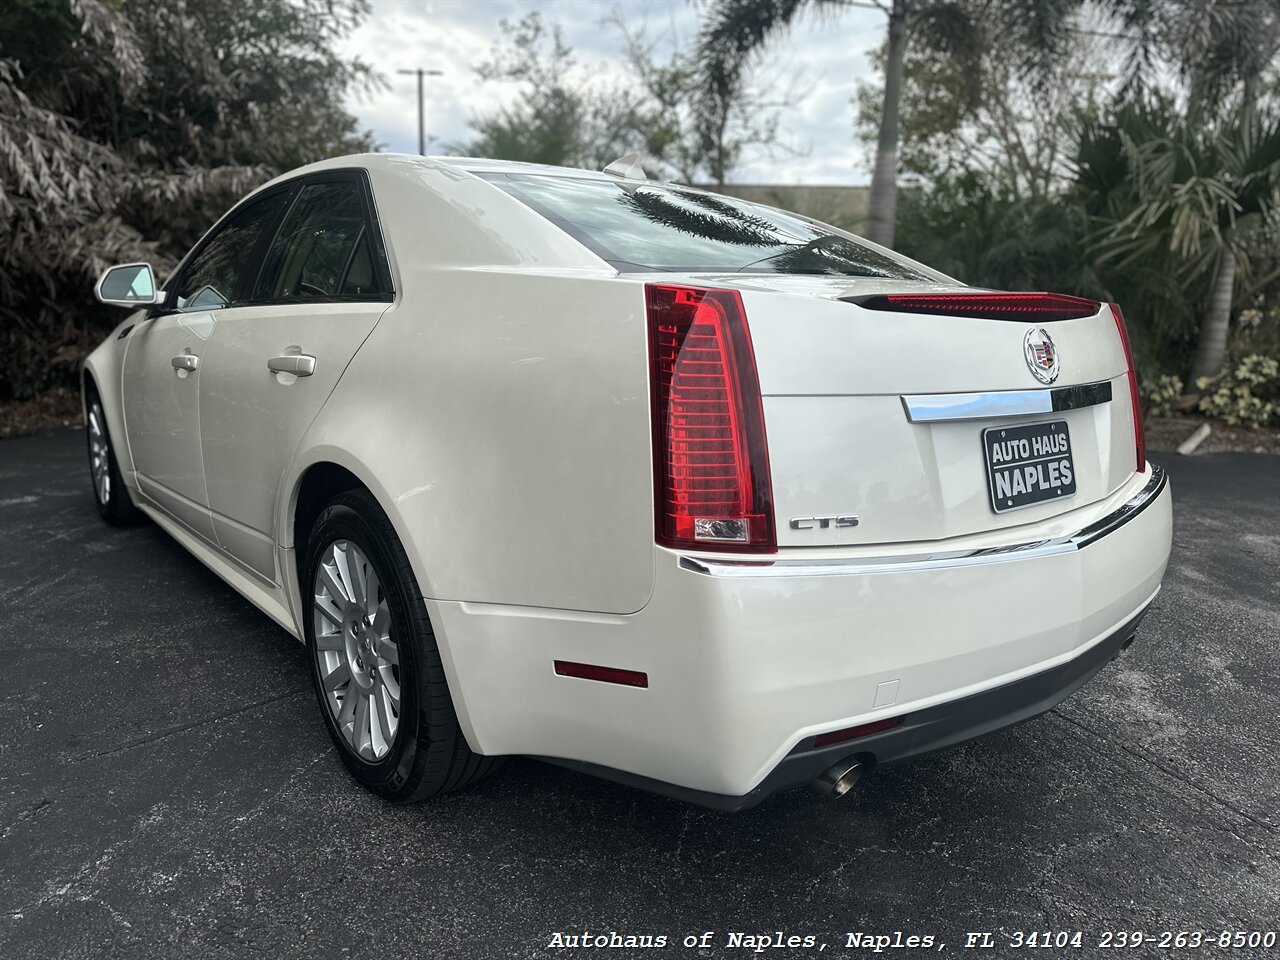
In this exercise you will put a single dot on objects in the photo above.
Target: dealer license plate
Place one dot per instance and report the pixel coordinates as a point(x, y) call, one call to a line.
point(1029, 464)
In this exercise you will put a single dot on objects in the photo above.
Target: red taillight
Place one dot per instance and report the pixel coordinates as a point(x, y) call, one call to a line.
point(853, 733)
point(711, 464)
point(1032, 307)
point(1139, 439)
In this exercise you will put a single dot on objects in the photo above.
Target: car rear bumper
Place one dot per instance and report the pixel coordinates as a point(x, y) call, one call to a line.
point(747, 663)
point(920, 732)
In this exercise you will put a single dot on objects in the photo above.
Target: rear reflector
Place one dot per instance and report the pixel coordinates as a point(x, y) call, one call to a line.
point(853, 733)
point(710, 460)
point(590, 671)
point(1135, 398)
point(1031, 307)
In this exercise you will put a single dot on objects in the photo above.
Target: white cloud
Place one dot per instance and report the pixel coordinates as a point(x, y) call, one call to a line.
point(828, 53)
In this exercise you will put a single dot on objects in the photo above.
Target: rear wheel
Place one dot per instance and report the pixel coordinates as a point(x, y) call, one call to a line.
point(375, 663)
point(112, 498)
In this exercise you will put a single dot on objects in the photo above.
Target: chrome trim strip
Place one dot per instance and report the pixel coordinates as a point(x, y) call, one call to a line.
point(942, 407)
point(911, 563)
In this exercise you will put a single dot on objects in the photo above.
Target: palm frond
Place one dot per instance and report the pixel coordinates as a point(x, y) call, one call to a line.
point(733, 31)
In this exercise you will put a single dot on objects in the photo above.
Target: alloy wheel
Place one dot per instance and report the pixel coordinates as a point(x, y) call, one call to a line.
point(358, 659)
point(99, 454)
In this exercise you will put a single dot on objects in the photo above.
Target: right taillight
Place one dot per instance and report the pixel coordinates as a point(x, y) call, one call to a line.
point(1135, 400)
point(711, 463)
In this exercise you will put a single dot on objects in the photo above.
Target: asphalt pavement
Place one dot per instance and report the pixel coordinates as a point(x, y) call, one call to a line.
point(167, 788)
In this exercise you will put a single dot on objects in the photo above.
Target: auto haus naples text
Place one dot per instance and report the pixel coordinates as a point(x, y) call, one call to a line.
point(755, 943)
point(1024, 464)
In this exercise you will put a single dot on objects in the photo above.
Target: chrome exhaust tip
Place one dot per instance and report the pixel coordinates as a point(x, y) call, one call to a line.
point(839, 778)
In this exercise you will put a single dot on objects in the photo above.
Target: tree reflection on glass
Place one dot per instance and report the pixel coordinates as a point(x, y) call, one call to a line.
point(647, 226)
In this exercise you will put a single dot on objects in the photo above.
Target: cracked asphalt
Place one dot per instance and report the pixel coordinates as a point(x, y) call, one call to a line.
point(167, 789)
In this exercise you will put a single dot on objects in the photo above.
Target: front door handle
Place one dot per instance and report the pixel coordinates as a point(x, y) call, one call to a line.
point(299, 364)
point(186, 361)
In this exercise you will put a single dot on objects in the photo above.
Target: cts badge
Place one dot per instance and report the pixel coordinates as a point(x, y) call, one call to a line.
point(1042, 355)
point(821, 523)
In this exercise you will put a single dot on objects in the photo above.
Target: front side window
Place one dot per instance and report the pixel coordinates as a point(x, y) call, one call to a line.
point(653, 226)
point(210, 280)
point(322, 250)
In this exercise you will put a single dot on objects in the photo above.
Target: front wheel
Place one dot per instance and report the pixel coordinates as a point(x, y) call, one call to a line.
point(375, 663)
point(112, 498)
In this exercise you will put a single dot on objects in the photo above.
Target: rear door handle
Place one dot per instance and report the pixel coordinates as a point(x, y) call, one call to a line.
point(300, 365)
point(186, 361)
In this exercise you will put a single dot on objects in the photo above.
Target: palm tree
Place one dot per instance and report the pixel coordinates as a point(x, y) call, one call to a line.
point(1032, 30)
point(1205, 181)
point(1221, 48)
point(1210, 197)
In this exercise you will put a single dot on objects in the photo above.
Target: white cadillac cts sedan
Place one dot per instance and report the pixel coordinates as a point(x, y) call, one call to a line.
point(661, 485)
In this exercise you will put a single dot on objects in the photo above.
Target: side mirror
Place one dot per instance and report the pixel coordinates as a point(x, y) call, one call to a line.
point(128, 285)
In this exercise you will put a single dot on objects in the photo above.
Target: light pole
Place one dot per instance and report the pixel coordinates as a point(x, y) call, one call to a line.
point(420, 73)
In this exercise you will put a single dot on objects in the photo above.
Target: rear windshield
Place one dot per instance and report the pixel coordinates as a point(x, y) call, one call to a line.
point(647, 227)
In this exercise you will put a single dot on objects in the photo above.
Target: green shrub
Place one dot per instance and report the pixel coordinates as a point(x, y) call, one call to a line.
point(1246, 392)
point(1160, 396)
point(1257, 329)
point(127, 128)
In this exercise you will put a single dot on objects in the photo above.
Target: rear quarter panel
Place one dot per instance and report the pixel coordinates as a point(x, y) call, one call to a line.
point(500, 408)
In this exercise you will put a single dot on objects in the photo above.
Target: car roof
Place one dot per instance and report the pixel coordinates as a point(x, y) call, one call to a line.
point(481, 165)
point(448, 173)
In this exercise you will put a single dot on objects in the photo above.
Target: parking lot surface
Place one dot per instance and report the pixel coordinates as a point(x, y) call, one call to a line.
point(167, 788)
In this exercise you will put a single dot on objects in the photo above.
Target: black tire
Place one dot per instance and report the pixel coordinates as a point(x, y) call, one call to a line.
point(114, 503)
point(429, 754)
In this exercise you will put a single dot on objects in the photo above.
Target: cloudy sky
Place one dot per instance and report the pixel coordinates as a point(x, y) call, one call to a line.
point(823, 58)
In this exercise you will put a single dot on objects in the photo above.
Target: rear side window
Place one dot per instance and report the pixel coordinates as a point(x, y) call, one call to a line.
point(211, 279)
point(323, 250)
point(645, 227)
point(359, 278)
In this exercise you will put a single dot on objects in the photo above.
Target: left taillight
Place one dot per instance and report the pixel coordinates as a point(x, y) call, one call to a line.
point(711, 461)
point(1135, 398)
